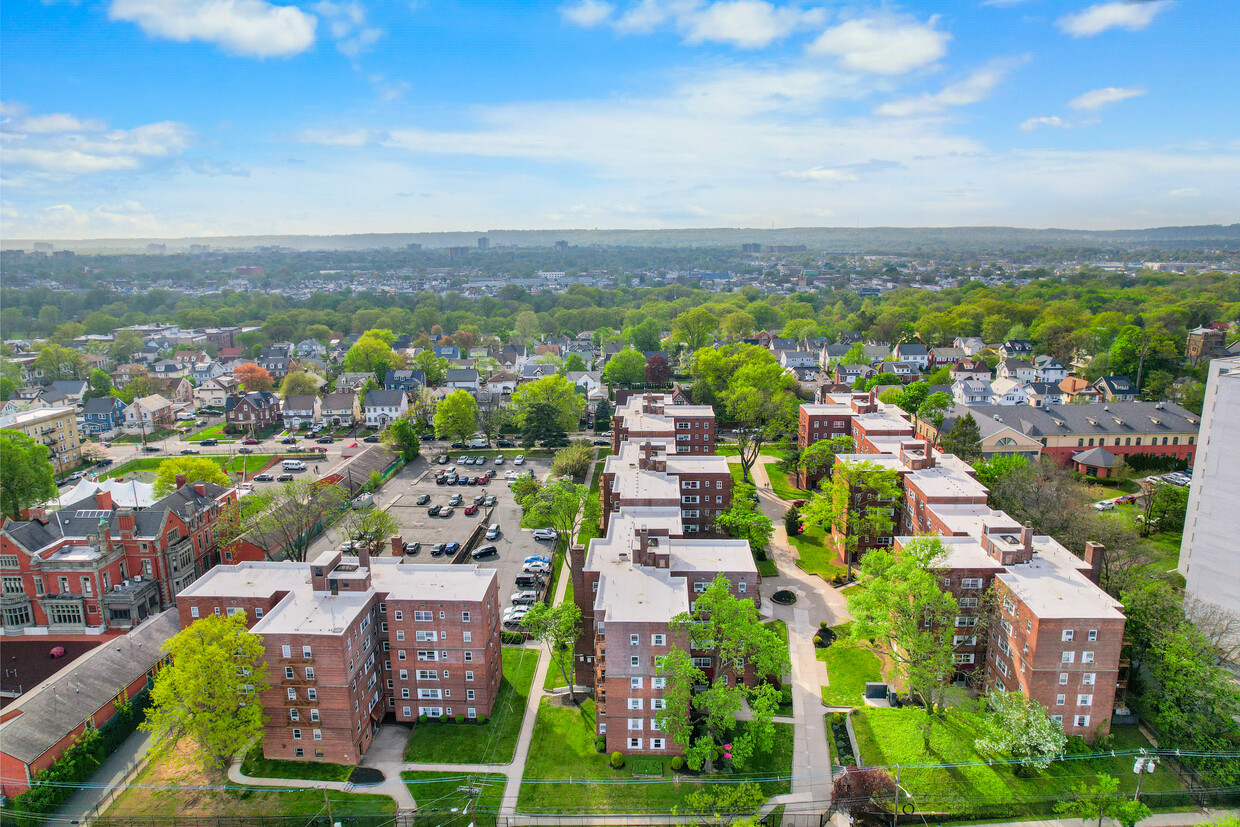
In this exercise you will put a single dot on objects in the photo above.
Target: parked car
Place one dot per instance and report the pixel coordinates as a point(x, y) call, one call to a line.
point(505, 443)
point(457, 445)
point(151, 449)
point(443, 459)
point(511, 475)
point(545, 534)
point(424, 499)
point(190, 451)
point(493, 531)
point(478, 498)
point(499, 460)
point(537, 558)
point(490, 501)
point(608, 433)
point(437, 549)
point(484, 551)
point(263, 477)
point(519, 459)
point(451, 548)
point(289, 440)
point(412, 549)
point(325, 440)
point(371, 438)
point(456, 499)
point(515, 613)
point(364, 500)
point(434, 510)
point(524, 597)
point(471, 510)
point(537, 567)
point(601, 442)
point(473, 480)
point(104, 462)
point(284, 478)
point(553, 443)
point(441, 480)
point(529, 581)
point(209, 442)
point(244, 450)
point(1105, 505)
point(250, 441)
point(447, 511)
point(245, 486)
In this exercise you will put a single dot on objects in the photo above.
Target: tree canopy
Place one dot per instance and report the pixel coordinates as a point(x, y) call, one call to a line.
point(195, 469)
point(26, 474)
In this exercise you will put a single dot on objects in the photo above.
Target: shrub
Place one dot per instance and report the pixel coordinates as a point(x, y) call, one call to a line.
point(600, 744)
point(460, 719)
point(617, 760)
point(792, 521)
point(678, 763)
point(512, 638)
point(1077, 746)
point(482, 719)
point(784, 597)
point(422, 719)
point(817, 641)
point(760, 555)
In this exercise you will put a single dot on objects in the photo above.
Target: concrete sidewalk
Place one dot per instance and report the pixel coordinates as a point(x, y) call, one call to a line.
point(112, 773)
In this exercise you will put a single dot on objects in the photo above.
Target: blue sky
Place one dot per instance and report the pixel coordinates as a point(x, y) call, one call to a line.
point(210, 117)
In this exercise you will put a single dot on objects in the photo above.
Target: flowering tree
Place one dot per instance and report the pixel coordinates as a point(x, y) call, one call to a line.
point(1020, 726)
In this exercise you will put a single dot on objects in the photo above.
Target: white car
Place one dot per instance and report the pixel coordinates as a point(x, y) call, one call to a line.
point(536, 568)
point(545, 534)
point(511, 475)
point(499, 460)
point(493, 531)
point(524, 597)
point(515, 614)
point(1105, 505)
point(519, 459)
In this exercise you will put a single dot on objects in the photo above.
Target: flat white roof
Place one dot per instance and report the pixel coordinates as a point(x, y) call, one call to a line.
point(629, 593)
point(434, 581)
point(838, 408)
point(1051, 590)
point(635, 484)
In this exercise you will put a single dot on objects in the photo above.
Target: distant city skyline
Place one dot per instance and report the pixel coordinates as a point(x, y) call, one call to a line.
point(173, 118)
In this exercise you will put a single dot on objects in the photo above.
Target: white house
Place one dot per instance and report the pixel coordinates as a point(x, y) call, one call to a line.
point(299, 411)
point(1021, 370)
point(466, 378)
point(589, 381)
point(972, 392)
point(215, 391)
point(502, 381)
point(914, 352)
point(202, 371)
point(382, 407)
point(796, 359)
point(971, 345)
point(1009, 391)
point(1048, 369)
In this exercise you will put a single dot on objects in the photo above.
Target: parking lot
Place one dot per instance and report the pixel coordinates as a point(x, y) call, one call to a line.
point(400, 495)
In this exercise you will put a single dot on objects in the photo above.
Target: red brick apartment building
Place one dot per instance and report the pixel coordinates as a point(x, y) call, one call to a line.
point(357, 639)
point(93, 566)
point(657, 416)
point(1059, 635)
point(650, 473)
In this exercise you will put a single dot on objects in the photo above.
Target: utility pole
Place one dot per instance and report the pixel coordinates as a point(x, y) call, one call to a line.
point(327, 800)
point(1144, 764)
point(895, 811)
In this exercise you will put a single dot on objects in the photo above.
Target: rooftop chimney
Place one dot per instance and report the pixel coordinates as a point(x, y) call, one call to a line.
point(200, 488)
point(398, 546)
point(103, 499)
point(180, 481)
point(126, 523)
point(1094, 552)
point(363, 556)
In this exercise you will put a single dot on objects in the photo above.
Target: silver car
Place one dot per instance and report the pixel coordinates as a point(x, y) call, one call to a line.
point(524, 597)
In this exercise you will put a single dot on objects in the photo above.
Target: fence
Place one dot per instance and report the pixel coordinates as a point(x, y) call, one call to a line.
point(386, 819)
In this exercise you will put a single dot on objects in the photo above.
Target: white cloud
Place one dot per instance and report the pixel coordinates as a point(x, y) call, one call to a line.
point(884, 45)
point(1184, 192)
point(388, 90)
point(819, 174)
point(977, 86)
point(61, 146)
point(1053, 121)
point(252, 28)
point(1102, 17)
point(587, 13)
point(1099, 98)
point(747, 24)
point(348, 27)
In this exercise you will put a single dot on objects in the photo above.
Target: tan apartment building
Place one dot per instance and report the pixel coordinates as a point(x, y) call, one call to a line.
point(54, 427)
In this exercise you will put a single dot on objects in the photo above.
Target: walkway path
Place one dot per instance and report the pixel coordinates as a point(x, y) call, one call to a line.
point(112, 773)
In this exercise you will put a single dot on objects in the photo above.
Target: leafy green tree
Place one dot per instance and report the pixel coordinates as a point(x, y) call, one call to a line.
point(1137, 348)
point(299, 383)
point(492, 417)
point(283, 519)
point(736, 325)
point(402, 437)
point(124, 345)
point(435, 368)
point(540, 423)
point(900, 612)
point(555, 391)
point(990, 472)
point(1165, 508)
point(744, 520)
point(574, 363)
point(374, 347)
point(527, 325)
point(136, 388)
point(211, 689)
point(100, 385)
point(602, 416)
point(761, 399)
point(1102, 799)
point(7, 387)
point(819, 458)
point(695, 328)
point(850, 517)
point(562, 505)
point(645, 336)
point(964, 439)
point(59, 362)
point(731, 629)
point(368, 527)
point(557, 628)
point(1021, 727)
point(456, 416)
point(626, 367)
point(575, 460)
point(26, 474)
point(722, 804)
point(195, 469)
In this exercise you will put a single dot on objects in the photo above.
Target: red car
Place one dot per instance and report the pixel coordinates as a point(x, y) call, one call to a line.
point(250, 441)
point(471, 510)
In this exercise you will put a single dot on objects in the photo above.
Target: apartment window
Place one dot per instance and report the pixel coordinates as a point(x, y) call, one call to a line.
point(702, 663)
point(658, 683)
point(634, 661)
point(420, 617)
point(1061, 699)
point(962, 620)
point(967, 602)
point(1057, 719)
point(406, 711)
point(442, 614)
point(404, 692)
point(258, 610)
point(1082, 720)
point(314, 714)
point(469, 657)
point(1093, 635)
point(286, 651)
point(962, 658)
point(294, 715)
point(1063, 678)
point(469, 694)
point(297, 735)
point(318, 735)
point(404, 674)
point(288, 673)
point(700, 588)
point(1087, 657)
point(464, 617)
point(400, 635)
point(193, 611)
point(1009, 606)
point(1088, 678)
point(635, 703)
point(1067, 657)
point(400, 654)
point(656, 743)
point(469, 674)
point(971, 583)
point(657, 640)
point(636, 683)
point(635, 743)
point(305, 652)
point(658, 703)
point(312, 694)
point(740, 587)
point(299, 752)
point(292, 694)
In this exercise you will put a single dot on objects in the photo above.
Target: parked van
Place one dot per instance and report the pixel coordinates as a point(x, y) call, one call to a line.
point(477, 443)
point(293, 465)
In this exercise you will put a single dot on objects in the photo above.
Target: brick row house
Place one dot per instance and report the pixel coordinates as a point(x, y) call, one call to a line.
point(93, 566)
point(253, 411)
point(651, 561)
point(348, 640)
point(1057, 636)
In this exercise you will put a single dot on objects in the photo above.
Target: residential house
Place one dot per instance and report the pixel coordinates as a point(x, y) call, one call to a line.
point(971, 345)
point(300, 411)
point(848, 374)
point(188, 358)
point(795, 358)
point(533, 371)
point(778, 344)
point(214, 392)
point(124, 373)
point(511, 357)
point(168, 369)
point(1116, 389)
point(503, 381)
point(972, 369)
point(907, 371)
point(74, 390)
point(310, 349)
point(341, 409)
point(276, 360)
point(1048, 369)
point(405, 379)
point(227, 355)
point(178, 390)
point(352, 382)
point(381, 408)
point(466, 378)
point(1077, 390)
point(829, 354)
point(202, 371)
point(1016, 349)
point(103, 415)
point(1043, 393)
point(972, 392)
point(590, 382)
point(940, 356)
point(252, 411)
point(1205, 343)
point(447, 351)
point(876, 352)
point(913, 352)
point(1022, 370)
point(1008, 392)
point(148, 414)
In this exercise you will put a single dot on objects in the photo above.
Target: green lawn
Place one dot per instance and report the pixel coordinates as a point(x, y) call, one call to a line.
point(455, 800)
point(563, 749)
point(734, 468)
point(729, 449)
point(960, 781)
point(816, 556)
point(849, 667)
point(554, 677)
point(249, 463)
point(491, 743)
point(767, 568)
point(256, 766)
point(783, 487)
point(212, 432)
